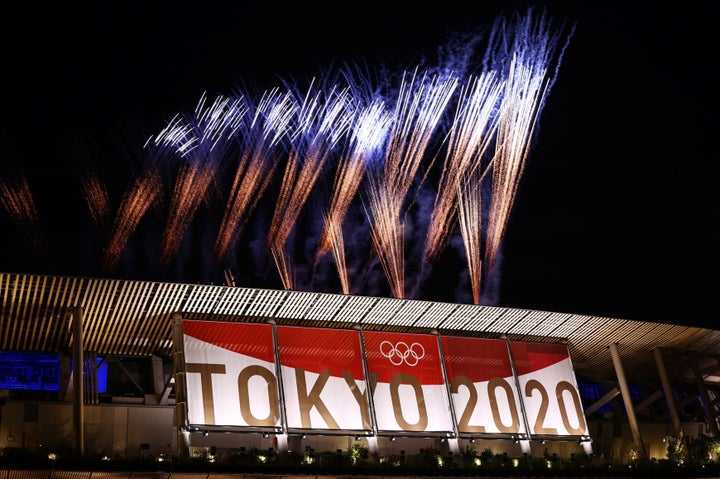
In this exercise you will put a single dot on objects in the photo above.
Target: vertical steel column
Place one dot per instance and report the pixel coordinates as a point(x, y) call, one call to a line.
point(627, 399)
point(369, 389)
point(183, 435)
point(669, 395)
point(453, 442)
point(705, 399)
point(78, 389)
point(282, 438)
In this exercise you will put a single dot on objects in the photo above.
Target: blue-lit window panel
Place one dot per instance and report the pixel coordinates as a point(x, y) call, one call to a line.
point(505, 322)
point(265, 303)
point(29, 371)
point(590, 393)
point(436, 315)
point(296, 305)
point(409, 313)
point(234, 301)
point(383, 311)
point(326, 307)
point(355, 309)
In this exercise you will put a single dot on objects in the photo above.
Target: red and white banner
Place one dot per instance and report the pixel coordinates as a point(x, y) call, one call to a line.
point(323, 378)
point(409, 391)
point(230, 377)
point(482, 385)
point(550, 392)
point(230, 374)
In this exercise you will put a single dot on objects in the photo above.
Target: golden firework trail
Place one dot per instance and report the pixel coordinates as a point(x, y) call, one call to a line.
point(384, 151)
point(367, 136)
point(418, 111)
point(524, 92)
point(471, 134)
point(143, 193)
point(318, 131)
point(526, 53)
point(17, 199)
point(258, 161)
point(469, 194)
point(96, 198)
point(211, 130)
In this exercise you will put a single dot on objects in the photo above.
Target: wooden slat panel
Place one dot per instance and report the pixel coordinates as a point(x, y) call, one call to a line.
point(45, 310)
point(142, 295)
point(104, 314)
point(158, 319)
point(16, 293)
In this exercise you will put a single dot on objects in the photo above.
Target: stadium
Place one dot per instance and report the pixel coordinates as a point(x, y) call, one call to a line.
point(146, 351)
point(314, 181)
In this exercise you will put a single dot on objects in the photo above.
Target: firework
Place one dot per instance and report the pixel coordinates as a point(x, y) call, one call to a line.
point(17, 199)
point(210, 131)
point(318, 130)
point(469, 194)
point(258, 161)
point(143, 193)
point(367, 137)
point(472, 132)
point(465, 137)
point(419, 108)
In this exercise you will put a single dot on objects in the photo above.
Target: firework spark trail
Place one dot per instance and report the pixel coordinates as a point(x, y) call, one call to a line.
point(470, 220)
point(367, 136)
point(143, 193)
point(336, 241)
point(17, 199)
point(145, 190)
point(470, 136)
point(525, 54)
point(96, 199)
point(417, 114)
point(520, 108)
point(212, 129)
point(319, 130)
point(256, 167)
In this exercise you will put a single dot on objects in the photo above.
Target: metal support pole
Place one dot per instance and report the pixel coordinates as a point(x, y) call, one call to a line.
point(78, 389)
point(627, 399)
point(705, 399)
point(183, 435)
point(669, 395)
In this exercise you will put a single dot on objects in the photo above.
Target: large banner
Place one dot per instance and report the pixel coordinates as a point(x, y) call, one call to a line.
point(550, 392)
point(408, 384)
point(323, 378)
point(420, 383)
point(483, 386)
point(230, 374)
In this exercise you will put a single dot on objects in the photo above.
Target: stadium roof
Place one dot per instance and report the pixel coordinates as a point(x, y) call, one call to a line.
point(134, 318)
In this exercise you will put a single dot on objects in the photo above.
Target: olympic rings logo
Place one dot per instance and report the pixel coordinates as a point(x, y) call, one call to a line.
point(402, 353)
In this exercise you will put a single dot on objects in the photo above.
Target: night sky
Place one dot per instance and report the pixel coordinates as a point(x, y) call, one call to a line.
point(615, 215)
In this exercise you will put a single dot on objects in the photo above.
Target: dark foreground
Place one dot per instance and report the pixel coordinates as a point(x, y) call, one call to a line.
point(17, 464)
